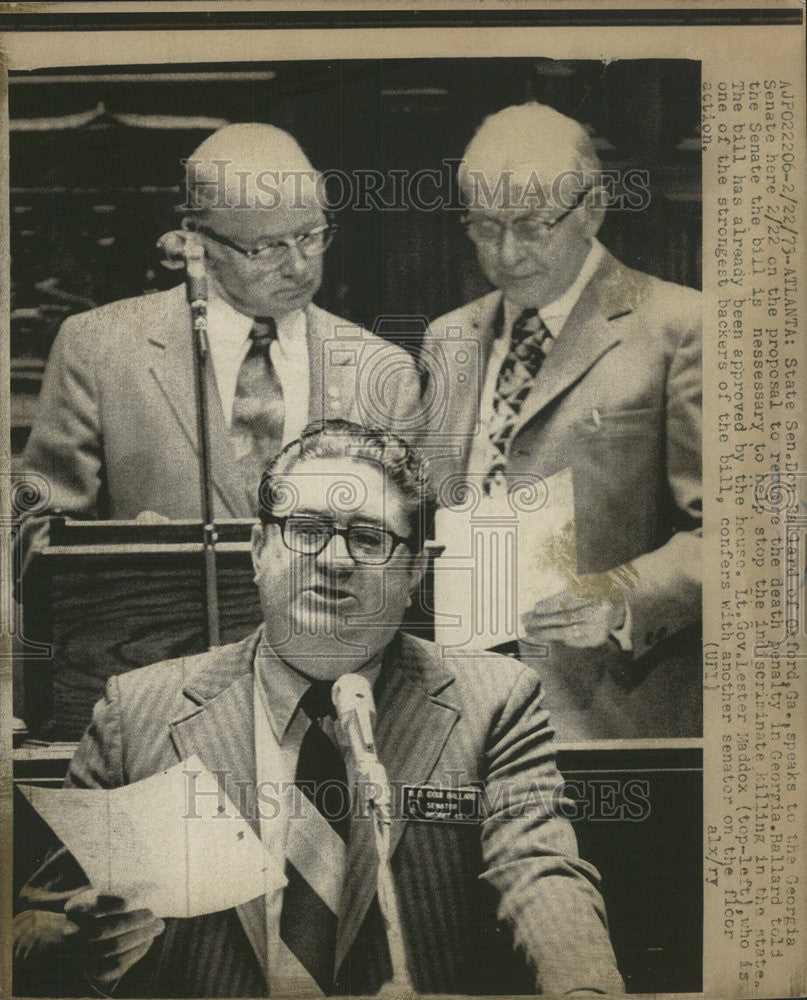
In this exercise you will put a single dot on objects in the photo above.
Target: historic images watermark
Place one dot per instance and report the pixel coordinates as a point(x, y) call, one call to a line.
point(600, 799)
point(219, 184)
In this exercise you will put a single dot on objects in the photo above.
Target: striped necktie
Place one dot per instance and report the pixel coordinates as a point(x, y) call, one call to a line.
point(307, 922)
point(516, 376)
point(258, 412)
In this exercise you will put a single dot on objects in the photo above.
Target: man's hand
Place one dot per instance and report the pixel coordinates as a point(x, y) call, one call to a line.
point(108, 937)
point(97, 933)
point(582, 615)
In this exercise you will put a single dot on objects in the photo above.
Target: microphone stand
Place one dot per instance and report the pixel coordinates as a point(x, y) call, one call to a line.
point(196, 283)
point(355, 712)
point(380, 803)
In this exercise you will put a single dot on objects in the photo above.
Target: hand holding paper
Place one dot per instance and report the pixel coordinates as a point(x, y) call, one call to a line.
point(582, 615)
point(174, 843)
point(98, 935)
point(502, 559)
point(108, 936)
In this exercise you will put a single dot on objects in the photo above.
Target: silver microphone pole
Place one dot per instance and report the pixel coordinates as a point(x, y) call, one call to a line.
point(355, 710)
point(196, 283)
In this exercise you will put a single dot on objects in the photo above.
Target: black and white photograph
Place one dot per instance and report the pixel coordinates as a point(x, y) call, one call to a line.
point(387, 275)
point(357, 434)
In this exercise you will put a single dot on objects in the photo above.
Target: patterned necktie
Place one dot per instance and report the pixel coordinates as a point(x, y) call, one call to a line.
point(307, 922)
point(257, 425)
point(516, 377)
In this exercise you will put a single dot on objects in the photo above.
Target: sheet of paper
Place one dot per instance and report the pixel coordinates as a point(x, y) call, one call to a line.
point(173, 843)
point(502, 554)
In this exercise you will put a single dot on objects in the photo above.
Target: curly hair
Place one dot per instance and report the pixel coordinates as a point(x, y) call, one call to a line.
point(400, 463)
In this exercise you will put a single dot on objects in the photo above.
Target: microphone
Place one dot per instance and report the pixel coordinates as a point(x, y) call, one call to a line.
point(355, 715)
point(355, 711)
point(195, 273)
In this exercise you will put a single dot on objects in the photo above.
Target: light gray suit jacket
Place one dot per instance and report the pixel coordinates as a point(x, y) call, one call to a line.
point(115, 431)
point(619, 400)
point(477, 721)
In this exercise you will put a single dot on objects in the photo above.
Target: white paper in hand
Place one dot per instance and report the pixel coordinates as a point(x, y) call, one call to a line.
point(502, 555)
point(173, 843)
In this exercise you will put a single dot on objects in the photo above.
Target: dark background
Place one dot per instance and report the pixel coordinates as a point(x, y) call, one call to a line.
point(96, 174)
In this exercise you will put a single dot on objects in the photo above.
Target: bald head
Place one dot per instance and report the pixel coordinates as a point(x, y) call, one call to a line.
point(531, 181)
point(530, 152)
point(247, 166)
point(251, 187)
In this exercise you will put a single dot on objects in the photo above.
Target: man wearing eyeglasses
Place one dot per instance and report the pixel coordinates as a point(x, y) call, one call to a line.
point(116, 434)
point(345, 513)
point(590, 365)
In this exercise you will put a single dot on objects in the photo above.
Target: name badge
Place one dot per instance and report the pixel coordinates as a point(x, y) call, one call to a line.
point(431, 804)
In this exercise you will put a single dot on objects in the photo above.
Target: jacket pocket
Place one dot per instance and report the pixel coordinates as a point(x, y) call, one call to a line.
point(602, 422)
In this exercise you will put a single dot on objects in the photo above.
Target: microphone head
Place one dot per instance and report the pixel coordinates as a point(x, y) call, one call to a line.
point(352, 691)
point(195, 258)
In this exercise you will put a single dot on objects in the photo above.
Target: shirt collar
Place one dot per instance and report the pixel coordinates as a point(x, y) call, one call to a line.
point(285, 686)
point(290, 327)
point(556, 313)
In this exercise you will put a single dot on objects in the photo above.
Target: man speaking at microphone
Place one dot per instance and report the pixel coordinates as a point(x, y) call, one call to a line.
point(491, 901)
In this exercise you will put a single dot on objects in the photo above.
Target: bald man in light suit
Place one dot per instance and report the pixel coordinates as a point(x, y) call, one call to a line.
point(115, 432)
point(615, 394)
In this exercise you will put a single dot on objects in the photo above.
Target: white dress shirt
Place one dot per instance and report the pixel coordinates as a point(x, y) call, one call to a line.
point(228, 336)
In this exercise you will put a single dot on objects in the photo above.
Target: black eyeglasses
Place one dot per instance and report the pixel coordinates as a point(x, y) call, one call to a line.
point(275, 253)
point(367, 544)
point(528, 229)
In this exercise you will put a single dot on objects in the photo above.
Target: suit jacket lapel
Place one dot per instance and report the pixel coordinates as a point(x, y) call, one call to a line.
point(171, 363)
point(333, 364)
point(315, 338)
point(221, 732)
point(587, 334)
point(415, 718)
point(463, 400)
point(412, 728)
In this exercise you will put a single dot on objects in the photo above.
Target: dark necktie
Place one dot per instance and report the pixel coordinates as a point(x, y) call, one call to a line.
point(307, 923)
point(516, 377)
point(257, 423)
